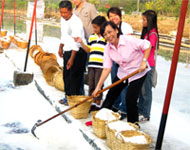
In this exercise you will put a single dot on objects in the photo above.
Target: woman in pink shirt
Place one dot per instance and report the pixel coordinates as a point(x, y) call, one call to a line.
point(126, 51)
point(149, 32)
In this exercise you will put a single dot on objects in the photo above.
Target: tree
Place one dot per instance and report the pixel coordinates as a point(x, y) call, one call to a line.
point(95, 2)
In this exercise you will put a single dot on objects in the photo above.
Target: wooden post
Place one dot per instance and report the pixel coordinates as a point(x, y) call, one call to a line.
point(172, 74)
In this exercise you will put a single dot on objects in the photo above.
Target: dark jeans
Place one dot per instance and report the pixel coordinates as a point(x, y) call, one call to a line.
point(120, 102)
point(132, 96)
point(73, 77)
point(145, 98)
point(82, 91)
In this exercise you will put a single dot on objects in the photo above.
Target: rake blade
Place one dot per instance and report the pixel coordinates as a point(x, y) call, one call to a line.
point(34, 128)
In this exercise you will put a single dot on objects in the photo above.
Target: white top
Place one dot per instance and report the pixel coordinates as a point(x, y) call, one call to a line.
point(126, 28)
point(69, 29)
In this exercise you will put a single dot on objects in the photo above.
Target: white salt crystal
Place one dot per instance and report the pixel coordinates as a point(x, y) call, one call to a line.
point(105, 114)
point(5, 39)
point(135, 139)
point(120, 126)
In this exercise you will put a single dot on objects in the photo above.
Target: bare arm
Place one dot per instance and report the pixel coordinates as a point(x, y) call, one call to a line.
point(60, 52)
point(85, 47)
point(146, 55)
point(71, 59)
point(103, 77)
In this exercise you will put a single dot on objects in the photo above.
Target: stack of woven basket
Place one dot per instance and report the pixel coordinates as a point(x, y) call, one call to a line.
point(100, 119)
point(51, 70)
point(5, 42)
point(3, 33)
point(19, 41)
point(119, 135)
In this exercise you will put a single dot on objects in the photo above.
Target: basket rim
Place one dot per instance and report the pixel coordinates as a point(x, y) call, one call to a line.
point(129, 123)
point(72, 98)
point(148, 138)
point(94, 114)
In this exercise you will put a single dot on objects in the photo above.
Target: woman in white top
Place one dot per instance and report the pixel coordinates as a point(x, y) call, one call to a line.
point(114, 15)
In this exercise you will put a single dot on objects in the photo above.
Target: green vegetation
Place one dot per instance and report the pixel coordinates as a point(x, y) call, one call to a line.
point(53, 31)
point(169, 54)
point(162, 7)
point(52, 5)
point(19, 4)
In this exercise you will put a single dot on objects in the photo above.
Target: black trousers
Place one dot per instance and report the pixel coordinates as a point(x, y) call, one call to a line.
point(73, 77)
point(132, 96)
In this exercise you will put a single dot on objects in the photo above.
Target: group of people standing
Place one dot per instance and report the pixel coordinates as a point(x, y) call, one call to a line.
point(111, 48)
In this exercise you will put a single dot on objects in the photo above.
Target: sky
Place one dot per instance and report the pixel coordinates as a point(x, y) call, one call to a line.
point(22, 106)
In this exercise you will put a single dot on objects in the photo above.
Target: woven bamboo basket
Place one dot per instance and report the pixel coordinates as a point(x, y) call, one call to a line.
point(34, 49)
point(120, 144)
point(46, 56)
point(58, 80)
point(47, 63)
point(38, 56)
point(99, 125)
point(3, 33)
point(19, 43)
point(41, 57)
point(4, 43)
point(12, 38)
point(111, 133)
point(49, 70)
point(23, 44)
point(81, 111)
point(110, 136)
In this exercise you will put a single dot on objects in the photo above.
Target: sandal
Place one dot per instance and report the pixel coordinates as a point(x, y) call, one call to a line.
point(136, 123)
point(142, 118)
point(94, 107)
point(123, 116)
point(64, 101)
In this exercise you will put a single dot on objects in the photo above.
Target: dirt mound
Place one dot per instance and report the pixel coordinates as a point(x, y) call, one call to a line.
point(166, 25)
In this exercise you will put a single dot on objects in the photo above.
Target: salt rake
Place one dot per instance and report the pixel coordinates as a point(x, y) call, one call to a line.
point(24, 78)
point(39, 122)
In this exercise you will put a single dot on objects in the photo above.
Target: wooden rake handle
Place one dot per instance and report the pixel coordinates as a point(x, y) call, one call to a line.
point(90, 97)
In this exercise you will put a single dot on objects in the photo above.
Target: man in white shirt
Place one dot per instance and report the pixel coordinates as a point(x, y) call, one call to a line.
point(86, 12)
point(74, 57)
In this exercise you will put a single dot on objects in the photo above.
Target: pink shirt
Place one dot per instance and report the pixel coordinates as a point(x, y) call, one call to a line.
point(153, 39)
point(128, 55)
